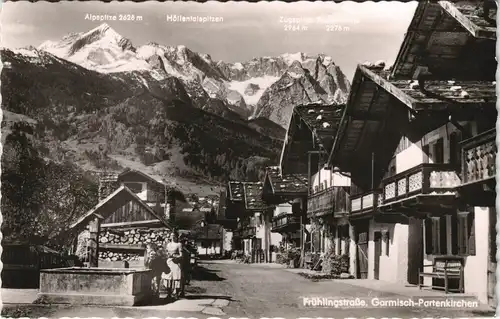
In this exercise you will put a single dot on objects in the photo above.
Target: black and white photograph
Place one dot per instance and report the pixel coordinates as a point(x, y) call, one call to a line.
point(248, 160)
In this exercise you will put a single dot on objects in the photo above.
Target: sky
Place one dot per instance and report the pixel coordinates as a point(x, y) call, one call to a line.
point(349, 32)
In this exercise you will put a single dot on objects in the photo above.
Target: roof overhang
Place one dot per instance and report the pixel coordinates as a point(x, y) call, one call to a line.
point(312, 127)
point(380, 111)
point(443, 35)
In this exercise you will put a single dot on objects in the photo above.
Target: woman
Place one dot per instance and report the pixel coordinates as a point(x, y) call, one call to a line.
point(173, 279)
point(155, 262)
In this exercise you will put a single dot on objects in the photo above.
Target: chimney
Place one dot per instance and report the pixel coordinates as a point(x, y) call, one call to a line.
point(108, 183)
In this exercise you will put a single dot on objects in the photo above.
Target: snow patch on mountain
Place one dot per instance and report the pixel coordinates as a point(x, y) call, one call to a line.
point(101, 49)
point(301, 57)
point(263, 83)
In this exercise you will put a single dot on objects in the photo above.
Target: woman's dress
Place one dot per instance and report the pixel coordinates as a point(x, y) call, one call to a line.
point(172, 280)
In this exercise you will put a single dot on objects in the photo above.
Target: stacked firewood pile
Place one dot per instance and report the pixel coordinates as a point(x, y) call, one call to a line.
point(128, 237)
point(118, 256)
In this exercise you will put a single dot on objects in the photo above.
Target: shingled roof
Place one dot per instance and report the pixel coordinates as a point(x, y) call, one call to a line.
point(322, 120)
point(289, 183)
point(449, 38)
point(253, 196)
point(235, 191)
point(437, 94)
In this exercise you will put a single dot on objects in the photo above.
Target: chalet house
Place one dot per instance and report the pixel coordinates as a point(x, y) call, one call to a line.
point(209, 239)
point(418, 142)
point(134, 209)
point(253, 231)
point(201, 220)
point(284, 194)
point(310, 136)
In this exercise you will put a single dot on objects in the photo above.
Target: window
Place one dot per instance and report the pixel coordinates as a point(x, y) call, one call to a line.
point(387, 242)
point(438, 154)
point(425, 151)
point(392, 168)
point(326, 184)
point(454, 149)
point(436, 236)
point(464, 236)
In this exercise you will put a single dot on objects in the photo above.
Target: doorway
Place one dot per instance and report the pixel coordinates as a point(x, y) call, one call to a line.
point(362, 255)
point(415, 249)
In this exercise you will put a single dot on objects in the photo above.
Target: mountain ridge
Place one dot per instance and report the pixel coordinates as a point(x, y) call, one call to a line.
point(102, 49)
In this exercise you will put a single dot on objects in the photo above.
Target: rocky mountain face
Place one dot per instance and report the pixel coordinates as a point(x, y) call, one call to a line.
point(94, 99)
point(228, 89)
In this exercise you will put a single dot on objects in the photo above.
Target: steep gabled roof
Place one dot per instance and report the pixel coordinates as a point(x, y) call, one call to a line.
point(235, 191)
point(253, 196)
point(114, 201)
point(157, 181)
point(449, 39)
point(376, 117)
point(286, 184)
point(312, 127)
point(322, 120)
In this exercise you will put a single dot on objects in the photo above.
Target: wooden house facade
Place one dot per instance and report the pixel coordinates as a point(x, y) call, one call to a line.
point(310, 136)
point(253, 231)
point(285, 196)
point(134, 210)
point(408, 136)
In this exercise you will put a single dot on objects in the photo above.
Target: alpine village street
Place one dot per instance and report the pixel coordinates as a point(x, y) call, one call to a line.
point(381, 204)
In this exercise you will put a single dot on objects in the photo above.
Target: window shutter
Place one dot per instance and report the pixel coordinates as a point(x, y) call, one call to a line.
point(461, 234)
point(454, 234)
point(435, 236)
point(472, 234)
point(428, 236)
point(443, 242)
point(387, 243)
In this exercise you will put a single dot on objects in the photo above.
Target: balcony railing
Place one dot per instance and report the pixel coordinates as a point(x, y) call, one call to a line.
point(284, 221)
point(333, 200)
point(365, 202)
point(478, 157)
point(421, 180)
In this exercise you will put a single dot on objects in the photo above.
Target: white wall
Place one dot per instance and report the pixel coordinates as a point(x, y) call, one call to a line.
point(228, 238)
point(214, 248)
point(476, 267)
point(414, 156)
point(331, 179)
point(394, 267)
point(284, 208)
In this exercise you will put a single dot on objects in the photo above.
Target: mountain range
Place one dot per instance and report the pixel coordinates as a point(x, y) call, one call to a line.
point(96, 99)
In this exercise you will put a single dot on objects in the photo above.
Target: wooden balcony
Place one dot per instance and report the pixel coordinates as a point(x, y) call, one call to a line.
point(479, 169)
point(285, 223)
point(331, 201)
point(478, 158)
point(365, 204)
point(426, 185)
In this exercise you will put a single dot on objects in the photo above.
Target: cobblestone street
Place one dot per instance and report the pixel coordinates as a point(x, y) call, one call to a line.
point(227, 289)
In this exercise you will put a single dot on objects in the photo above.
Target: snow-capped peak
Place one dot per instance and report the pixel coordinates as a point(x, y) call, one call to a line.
point(289, 58)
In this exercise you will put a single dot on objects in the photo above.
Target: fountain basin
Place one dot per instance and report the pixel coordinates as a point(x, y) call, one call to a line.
point(95, 286)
